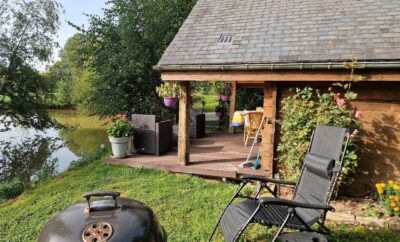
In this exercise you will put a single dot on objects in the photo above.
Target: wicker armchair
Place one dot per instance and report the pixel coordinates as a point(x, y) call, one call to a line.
point(252, 123)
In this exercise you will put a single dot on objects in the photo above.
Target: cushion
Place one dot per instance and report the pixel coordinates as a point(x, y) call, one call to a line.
point(319, 165)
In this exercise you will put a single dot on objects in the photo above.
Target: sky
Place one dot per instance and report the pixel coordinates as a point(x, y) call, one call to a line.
point(74, 10)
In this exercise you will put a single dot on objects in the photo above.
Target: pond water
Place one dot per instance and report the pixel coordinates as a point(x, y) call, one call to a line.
point(25, 152)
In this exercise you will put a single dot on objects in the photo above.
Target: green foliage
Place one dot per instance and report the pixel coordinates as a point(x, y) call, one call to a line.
point(249, 98)
point(24, 218)
point(301, 113)
point(71, 74)
point(220, 88)
point(205, 102)
point(121, 128)
point(88, 159)
point(168, 89)
point(28, 29)
point(389, 197)
point(124, 45)
point(11, 189)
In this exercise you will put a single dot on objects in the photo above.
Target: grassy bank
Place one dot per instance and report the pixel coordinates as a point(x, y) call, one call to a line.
point(186, 206)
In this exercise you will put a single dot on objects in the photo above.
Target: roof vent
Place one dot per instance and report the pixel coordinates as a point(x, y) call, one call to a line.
point(225, 40)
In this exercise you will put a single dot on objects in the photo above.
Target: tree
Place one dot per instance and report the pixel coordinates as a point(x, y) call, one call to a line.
point(72, 73)
point(125, 45)
point(27, 36)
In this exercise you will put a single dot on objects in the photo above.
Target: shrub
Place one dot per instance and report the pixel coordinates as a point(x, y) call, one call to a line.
point(302, 112)
point(389, 197)
point(120, 127)
point(11, 189)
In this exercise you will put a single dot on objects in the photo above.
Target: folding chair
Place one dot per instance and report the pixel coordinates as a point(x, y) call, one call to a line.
point(312, 194)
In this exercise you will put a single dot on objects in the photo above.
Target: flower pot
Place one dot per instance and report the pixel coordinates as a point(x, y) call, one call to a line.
point(219, 114)
point(119, 146)
point(224, 98)
point(169, 101)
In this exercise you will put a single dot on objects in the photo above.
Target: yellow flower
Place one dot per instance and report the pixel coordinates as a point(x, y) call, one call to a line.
point(380, 190)
point(383, 185)
point(393, 205)
point(391, 197)
point(397, 187)
point(396, 209)
point(397, 199)
point(391, 182)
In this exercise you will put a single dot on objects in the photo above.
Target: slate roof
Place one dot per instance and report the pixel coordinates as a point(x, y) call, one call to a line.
point(281, 31)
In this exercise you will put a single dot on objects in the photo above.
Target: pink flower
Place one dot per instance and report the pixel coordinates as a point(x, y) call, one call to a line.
point(340, 102)
point(358, 114)
point(355, 133)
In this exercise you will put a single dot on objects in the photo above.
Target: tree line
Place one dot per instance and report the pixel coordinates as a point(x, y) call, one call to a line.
point(105, 69)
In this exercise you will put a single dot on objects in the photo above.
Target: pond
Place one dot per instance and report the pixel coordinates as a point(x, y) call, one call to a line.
point(25, 152)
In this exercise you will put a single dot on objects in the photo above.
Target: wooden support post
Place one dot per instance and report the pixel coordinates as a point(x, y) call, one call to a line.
point(268, 135)
point(184, 123)
point(232, 107)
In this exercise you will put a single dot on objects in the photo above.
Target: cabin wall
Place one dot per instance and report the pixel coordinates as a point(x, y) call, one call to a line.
point(379, 103)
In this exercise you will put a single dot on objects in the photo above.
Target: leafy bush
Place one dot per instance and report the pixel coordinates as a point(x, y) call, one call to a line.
point(389, 197)
point(306, 109)
point(11, 189)
point(121, 127)
point(168, 89)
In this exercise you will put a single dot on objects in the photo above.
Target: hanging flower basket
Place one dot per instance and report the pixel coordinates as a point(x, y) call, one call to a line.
point(169, 101)
point(169, 91)
point(223, 98)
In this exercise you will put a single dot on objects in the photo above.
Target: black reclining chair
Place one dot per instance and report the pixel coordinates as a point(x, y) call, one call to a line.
point(312, 193)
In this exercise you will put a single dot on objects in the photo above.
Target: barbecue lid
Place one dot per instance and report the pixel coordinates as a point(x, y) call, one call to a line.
point(110, 219)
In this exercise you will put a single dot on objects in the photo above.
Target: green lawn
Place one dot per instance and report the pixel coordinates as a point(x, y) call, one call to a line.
point(186, 206)
point(211, 101)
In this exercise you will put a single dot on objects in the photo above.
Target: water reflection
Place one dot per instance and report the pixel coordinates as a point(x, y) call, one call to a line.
point(33, 155)
point(25, 152)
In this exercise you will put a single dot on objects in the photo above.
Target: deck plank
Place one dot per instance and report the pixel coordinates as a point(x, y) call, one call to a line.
point(216, 155)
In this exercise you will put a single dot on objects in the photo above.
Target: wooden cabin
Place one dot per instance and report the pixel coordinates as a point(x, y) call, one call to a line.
point(277, 44)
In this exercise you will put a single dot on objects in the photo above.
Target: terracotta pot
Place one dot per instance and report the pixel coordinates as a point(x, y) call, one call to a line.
point(169, 101)
point(224, 98)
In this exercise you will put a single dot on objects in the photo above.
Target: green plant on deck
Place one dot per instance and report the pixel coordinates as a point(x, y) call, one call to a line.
point(306, 109)
point(121, 127)
point(168, 89)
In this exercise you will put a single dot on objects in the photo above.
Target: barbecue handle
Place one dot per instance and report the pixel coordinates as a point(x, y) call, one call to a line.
point(112, 194)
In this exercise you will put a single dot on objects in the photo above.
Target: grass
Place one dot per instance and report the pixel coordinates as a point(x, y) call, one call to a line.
point(211, 101)
point(187, 206)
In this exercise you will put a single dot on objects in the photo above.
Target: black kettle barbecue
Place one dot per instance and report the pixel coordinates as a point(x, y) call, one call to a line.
point(111, 218)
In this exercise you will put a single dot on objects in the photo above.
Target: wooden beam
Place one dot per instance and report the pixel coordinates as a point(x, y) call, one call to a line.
point(268, 135)
point(184, 123)
point(232, 107)
point(280, 75)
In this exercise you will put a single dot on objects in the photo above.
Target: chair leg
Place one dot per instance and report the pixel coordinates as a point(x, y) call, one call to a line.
point(223, 212)
point(247, 139)
point(282, 226)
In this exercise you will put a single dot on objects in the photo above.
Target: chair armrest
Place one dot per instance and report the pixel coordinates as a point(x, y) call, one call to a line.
point(268, 180)
point(294, 204)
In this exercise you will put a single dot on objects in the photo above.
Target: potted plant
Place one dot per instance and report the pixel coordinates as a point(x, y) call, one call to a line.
point(120, 132)
point(169, 91)
point(222, 89)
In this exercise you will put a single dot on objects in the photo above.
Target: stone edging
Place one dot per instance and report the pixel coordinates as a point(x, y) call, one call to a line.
point(392, 223)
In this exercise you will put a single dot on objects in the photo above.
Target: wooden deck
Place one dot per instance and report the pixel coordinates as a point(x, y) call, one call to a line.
point(217, 155)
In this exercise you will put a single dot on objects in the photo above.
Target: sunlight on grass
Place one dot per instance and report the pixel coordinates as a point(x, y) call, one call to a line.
point(187, 206)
